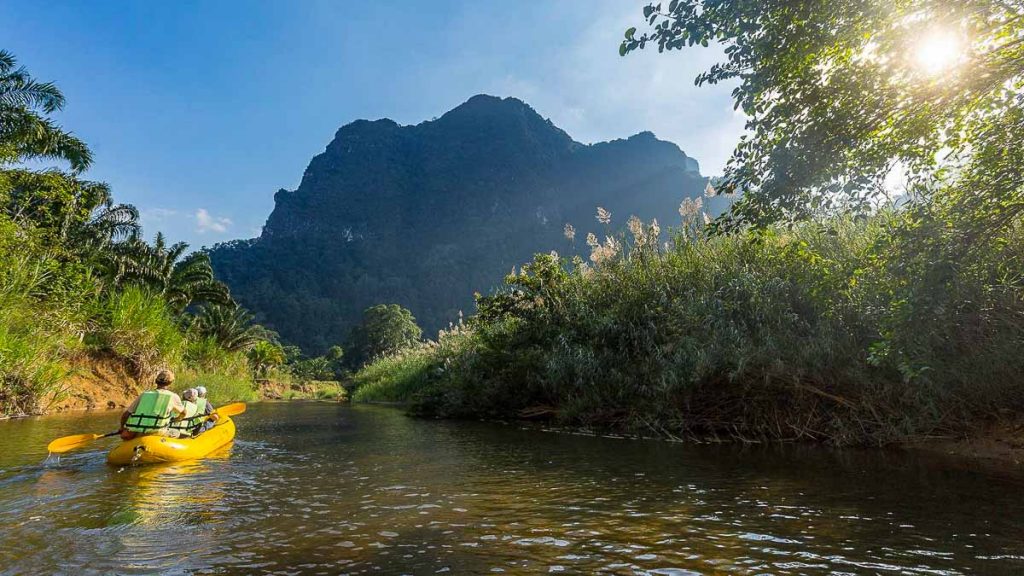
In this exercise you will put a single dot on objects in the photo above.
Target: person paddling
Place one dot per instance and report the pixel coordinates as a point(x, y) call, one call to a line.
point(206, 409)
point(152, 410)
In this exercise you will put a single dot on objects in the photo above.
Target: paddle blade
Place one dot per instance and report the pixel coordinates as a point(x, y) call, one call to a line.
point(231, 409)
point(61, 445)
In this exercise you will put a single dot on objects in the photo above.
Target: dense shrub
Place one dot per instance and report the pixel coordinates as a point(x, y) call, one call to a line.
point(848, 331)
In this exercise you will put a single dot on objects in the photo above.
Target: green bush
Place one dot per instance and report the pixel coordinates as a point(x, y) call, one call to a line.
point(852, 332)
point(328, 390)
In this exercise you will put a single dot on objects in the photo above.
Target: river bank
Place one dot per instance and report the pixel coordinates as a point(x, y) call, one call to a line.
point(1000, 442)
point(106, 383)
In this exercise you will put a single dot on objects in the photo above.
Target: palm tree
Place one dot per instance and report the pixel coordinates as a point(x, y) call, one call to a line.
point(109, 223)
point(92, 221)
point(25, 131)
point(231, 327)
point(263, 356)
point(79, 215)
point(181, 279)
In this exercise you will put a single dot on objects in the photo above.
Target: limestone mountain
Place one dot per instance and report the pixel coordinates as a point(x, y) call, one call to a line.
point(426, 215)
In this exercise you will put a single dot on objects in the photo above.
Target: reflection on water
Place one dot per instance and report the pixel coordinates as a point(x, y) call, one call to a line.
point(321, 488)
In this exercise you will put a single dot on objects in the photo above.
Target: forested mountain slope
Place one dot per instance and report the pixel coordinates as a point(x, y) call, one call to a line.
point(425, 215)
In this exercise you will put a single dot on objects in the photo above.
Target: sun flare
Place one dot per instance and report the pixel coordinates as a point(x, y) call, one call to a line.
point(937, 52)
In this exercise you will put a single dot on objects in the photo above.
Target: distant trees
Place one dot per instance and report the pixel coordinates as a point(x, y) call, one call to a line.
point(385, 328)
point(316, 368)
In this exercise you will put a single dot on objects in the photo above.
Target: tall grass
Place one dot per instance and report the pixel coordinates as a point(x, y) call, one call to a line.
point(137, 326)
point(851, 332)
point(226, 375)
point(222, 386)
point(31, 356)
point(397, 377)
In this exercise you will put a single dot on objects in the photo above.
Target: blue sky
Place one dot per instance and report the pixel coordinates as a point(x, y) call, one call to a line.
point(197, 112)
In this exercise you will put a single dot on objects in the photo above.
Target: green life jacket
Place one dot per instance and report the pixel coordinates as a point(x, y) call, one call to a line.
point(201, 406)
point(187, 421)
point(152, 412)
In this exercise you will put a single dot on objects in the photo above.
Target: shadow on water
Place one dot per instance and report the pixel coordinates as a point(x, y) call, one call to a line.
point(321, 488)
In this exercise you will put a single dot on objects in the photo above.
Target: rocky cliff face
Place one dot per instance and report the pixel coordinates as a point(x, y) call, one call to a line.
point(426, 215)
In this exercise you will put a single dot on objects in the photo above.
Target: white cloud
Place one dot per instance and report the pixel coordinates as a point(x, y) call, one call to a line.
point(205, 222)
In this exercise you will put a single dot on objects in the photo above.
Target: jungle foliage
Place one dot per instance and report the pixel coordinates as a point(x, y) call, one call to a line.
point(78, 280)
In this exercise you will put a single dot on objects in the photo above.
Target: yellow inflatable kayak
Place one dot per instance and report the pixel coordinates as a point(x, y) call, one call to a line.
point(153, 449)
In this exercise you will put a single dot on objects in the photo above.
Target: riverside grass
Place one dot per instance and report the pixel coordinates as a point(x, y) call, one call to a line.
point(43, 330)
point(846, 331)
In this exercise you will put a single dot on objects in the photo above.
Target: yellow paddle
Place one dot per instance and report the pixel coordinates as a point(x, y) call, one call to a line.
point(231, 409)
point(66, 443)
point(61, 445)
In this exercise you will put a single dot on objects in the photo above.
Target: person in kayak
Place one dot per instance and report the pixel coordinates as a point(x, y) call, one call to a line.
point(205, 409)
point(152, 411)
point(187, 423)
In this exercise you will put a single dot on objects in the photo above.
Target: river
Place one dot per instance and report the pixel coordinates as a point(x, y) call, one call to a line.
point(326, 489)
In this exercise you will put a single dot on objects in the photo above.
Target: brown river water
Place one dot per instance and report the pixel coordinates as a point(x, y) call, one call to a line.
point(328, 489)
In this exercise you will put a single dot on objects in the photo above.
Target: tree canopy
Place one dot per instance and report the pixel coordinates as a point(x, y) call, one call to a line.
point(26, 131)
point(839, 94)
point(385, 328)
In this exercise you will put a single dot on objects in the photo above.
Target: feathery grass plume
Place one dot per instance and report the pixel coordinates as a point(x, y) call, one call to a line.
point(581, 267)
point(707, 219)
point(709, 190)
point(569, 232)
point(605, 252)
point(688, 208)
point(592, 240)
point(655, 230)
point(636, 226)
point(603, 216)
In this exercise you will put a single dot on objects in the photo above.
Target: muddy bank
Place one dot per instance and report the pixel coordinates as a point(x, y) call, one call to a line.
point(997, 442)
point(95, 383)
